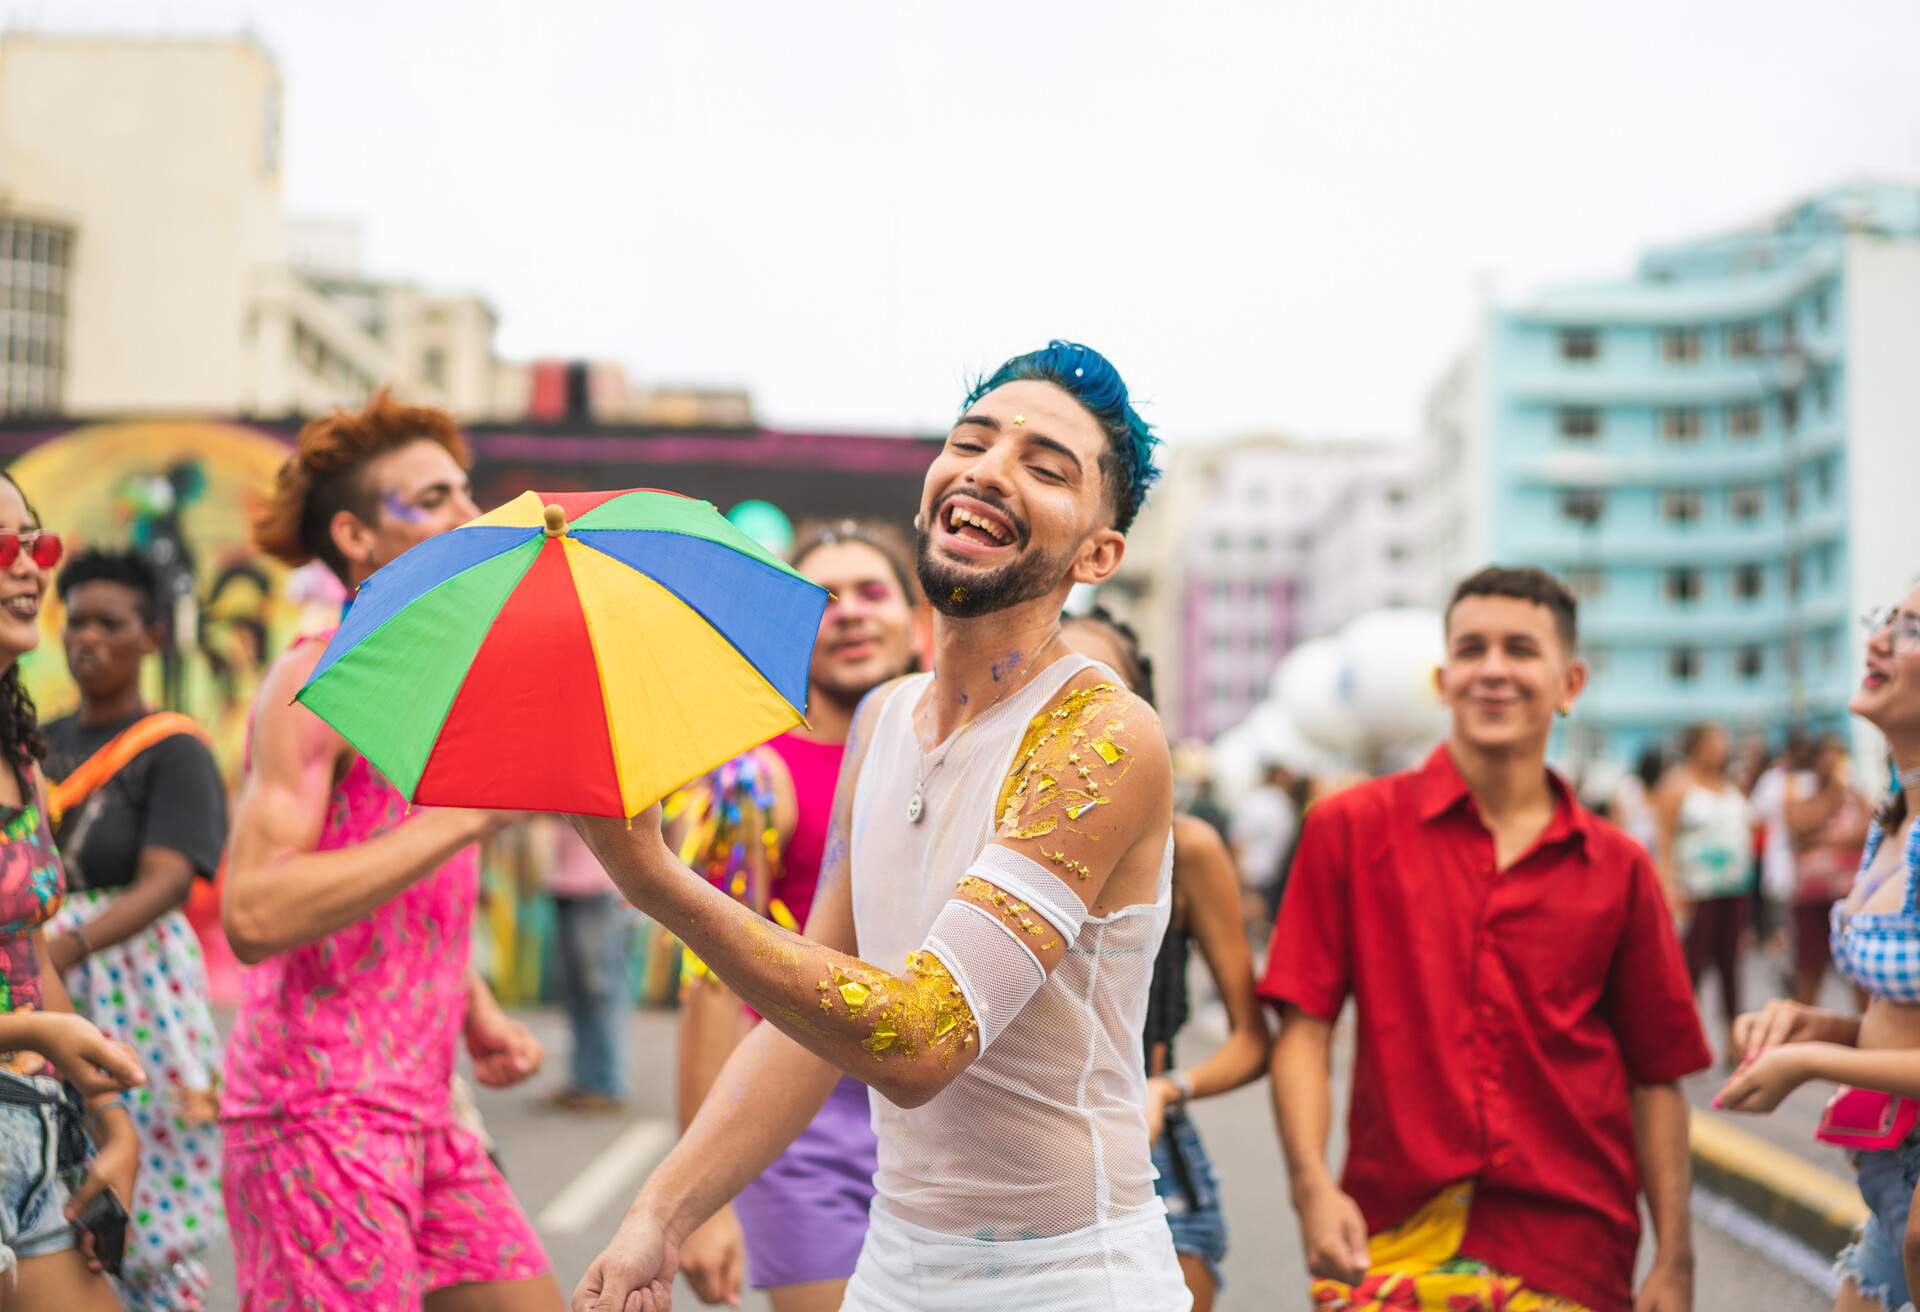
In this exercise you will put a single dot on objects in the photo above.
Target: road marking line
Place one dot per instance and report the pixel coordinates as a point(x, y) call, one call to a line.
point(1832, 1197)
point(578, 1205)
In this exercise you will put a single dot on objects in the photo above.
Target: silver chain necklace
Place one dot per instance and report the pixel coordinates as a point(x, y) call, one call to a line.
point(917, 806)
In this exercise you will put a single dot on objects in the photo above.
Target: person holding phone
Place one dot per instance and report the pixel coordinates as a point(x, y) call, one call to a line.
point(58, 1264)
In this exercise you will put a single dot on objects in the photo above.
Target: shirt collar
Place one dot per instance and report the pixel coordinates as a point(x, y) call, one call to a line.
point(1440, 788)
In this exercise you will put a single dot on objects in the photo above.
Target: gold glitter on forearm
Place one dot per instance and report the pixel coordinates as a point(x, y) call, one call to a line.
point(922, 1010)
point(1069, 761)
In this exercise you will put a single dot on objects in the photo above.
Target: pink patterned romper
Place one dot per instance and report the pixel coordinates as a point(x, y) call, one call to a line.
point(347, 1183)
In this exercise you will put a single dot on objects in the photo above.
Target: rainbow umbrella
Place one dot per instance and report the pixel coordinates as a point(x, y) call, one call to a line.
point(579, 652)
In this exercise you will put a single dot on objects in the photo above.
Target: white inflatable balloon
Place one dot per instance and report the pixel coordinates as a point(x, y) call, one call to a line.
point(1234, 762)
point(1278, 738)
point(1390, 656)
point(1312, 684)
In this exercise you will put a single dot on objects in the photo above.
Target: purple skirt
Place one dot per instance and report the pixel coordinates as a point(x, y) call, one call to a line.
point(806, 1216)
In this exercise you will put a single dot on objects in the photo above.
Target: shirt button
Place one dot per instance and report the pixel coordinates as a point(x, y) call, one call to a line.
point(1502, 1157)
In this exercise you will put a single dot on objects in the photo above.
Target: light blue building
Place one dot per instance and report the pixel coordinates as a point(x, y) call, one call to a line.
point(1721, 455)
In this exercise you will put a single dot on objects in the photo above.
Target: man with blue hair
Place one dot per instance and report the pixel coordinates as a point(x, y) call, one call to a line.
point(995, 885)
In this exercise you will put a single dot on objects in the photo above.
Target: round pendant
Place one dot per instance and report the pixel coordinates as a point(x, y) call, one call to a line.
point(916, 807)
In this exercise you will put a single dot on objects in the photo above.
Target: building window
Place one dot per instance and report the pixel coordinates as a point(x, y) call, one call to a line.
point(1579, 344)
point(1793, 576)
point(1829, 648)
point(1789, 328)
point(1585, 582)
point(1746, 504)
point(1790, 411)
point(1680, 425)
point(1749, 581)
point(1743, 341)
point(1822, 386)
point(1683, 585)
point(1823, 480)
point(1680, 346)
point(1743, 420)
point(34, 261)
point(1683, 664)
point(1790, 494)
point(1750, 662)
point(1579, 423)
point(433, 368)
point(1680, 507)
point(1583, 506)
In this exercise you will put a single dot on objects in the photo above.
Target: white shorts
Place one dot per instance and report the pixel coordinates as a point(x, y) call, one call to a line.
point(1128, 1264)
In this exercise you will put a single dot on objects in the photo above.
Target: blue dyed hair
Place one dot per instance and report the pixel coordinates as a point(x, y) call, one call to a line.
point(1090, 378)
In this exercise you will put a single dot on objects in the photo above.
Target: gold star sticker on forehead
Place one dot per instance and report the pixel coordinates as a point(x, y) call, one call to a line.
point(1019, 421)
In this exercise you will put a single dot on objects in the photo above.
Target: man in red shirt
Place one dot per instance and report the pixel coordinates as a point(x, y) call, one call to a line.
point(1522, 1009)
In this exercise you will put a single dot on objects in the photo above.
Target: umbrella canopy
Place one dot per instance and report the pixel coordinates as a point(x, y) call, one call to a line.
point(583, 652)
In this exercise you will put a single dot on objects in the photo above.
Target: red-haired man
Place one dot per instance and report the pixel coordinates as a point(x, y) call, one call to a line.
point(347, 1182)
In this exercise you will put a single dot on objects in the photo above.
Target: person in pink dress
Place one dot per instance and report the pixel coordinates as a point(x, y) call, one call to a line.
point(348, 1183)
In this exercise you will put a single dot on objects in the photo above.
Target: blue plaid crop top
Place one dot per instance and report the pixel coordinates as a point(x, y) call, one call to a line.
point(1881, 951)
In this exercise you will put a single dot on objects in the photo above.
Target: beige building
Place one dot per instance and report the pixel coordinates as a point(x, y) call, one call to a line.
point(1253, 545)
point(146, 262)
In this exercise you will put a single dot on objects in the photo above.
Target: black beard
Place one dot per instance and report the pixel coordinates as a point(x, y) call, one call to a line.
point(964, 596)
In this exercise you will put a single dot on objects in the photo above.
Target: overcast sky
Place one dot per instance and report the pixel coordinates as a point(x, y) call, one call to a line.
point(1273, 216)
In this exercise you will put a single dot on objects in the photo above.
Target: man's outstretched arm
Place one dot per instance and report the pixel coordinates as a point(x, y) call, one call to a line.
point(1061, 832)
point(765, 1096)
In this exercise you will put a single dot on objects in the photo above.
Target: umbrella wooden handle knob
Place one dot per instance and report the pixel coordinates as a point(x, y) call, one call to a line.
point(556, 522)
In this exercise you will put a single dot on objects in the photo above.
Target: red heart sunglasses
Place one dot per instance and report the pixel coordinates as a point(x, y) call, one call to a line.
point(45, 549)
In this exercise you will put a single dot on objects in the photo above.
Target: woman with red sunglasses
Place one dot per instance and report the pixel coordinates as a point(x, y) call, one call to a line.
point(55, 1261)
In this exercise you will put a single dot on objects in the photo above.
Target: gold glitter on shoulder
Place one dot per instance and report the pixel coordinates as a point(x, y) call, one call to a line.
point(1071, 758)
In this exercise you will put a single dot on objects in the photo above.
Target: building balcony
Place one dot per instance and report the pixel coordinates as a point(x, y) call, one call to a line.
point(1761, 701)
point(1708, 624)
point(1655, 384)
point(1681, 304)
point(1675, 466)
point(1634, 540)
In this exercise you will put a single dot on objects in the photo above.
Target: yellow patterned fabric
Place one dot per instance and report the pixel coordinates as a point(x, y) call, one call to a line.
point(1417, 1267)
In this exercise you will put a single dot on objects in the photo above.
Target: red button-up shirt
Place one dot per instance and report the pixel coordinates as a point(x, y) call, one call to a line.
point(1503, 1018)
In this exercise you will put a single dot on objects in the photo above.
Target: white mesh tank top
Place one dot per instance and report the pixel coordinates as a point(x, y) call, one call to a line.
point(1044, 1134)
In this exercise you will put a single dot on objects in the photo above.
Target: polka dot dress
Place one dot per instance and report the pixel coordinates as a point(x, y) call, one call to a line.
point(150, 993)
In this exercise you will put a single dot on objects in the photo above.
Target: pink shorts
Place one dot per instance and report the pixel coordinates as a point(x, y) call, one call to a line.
point(336, 1215)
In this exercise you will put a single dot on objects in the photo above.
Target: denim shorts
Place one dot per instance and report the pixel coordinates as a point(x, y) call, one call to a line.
point(1872, 1261)
point(32, 1220)
point(1190, 1190)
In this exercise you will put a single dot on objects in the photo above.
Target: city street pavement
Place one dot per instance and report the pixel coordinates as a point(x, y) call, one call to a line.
point(576, 1174)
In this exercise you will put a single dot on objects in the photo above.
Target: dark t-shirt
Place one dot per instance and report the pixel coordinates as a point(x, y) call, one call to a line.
point(169, 796)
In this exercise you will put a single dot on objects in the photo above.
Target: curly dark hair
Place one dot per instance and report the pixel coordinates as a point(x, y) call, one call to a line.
point(21, 741)
point(1140, 675)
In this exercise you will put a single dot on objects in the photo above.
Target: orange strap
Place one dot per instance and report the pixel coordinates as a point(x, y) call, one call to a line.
point(114, 756)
